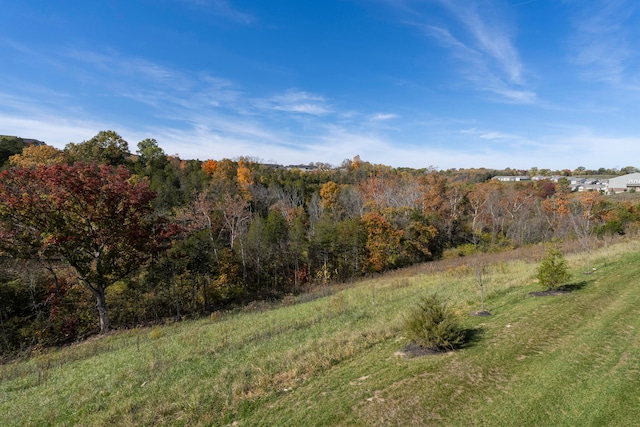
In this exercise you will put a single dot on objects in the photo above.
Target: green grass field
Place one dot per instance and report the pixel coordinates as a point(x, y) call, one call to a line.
point(337, 359)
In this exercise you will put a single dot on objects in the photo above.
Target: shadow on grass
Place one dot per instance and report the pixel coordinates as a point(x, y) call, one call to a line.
point(562, 290)
point(472, 336)
point(574, 286)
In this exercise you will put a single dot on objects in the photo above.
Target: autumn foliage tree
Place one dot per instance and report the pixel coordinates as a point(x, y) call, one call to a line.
point(245, 179)
point(209, 167)
point(586, 213)
point(95, 218)
point(383, 241)
point(33, 155)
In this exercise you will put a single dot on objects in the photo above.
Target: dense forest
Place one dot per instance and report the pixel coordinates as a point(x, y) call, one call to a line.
point(94, 237)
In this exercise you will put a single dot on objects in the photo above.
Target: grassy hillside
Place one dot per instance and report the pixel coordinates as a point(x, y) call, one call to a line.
point(568, 360)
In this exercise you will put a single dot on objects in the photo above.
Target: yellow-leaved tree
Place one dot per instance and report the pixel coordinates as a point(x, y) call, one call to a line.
point(34, 155)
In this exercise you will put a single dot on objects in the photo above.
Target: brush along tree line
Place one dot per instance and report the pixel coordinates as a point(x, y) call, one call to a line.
point(148, 236)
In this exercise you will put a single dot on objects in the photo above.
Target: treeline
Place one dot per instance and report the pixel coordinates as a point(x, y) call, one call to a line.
point(147, 237)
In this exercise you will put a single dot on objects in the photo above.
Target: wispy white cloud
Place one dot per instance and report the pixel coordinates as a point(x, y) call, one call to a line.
point(484, 49)
point(339, 143)
point(478, 70)
point(218, 135)
point(602, 43)
point(196, 115)
point(171, 93)
point(560, 146)
point(17, 46)
point(491, 135)
point(490, 36)
point(306, 108)
point(223, 8)
point(113, 63)
point(295, 101)
point(524, 2)
point(55, 129)
point(383, 117)
point(203, 116)
point(514, 95)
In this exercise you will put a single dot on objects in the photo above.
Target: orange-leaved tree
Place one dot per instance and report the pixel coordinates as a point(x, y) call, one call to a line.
point(383, 241)
point(245, 179)
point(209, 167)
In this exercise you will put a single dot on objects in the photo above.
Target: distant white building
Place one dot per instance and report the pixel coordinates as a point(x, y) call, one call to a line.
point(504, 178)
point(304, 168)
point(623, 183)
point(577, 181)
point(591, 187)
point(552, 178)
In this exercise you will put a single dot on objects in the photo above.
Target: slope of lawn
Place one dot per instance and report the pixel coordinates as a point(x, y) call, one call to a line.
point(572, 359)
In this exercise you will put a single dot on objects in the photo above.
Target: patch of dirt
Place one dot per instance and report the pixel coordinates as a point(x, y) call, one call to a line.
point(550, 292)
point(480, 313)
point(415, 350)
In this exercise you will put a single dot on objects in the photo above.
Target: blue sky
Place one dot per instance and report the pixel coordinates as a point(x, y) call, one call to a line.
point(416, 83)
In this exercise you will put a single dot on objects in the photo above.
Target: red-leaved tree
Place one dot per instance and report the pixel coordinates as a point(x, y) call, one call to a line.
point(96, 218)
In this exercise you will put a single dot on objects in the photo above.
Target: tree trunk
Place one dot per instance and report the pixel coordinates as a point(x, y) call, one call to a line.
point(101, 304)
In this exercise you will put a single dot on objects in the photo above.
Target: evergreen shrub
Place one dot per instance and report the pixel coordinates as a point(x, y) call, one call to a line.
point(552, 272)
point(433, 324)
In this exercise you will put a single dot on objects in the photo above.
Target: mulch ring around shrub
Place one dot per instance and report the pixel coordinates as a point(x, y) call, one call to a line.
point(551, 292)
point(415, 350)
point(481, 313)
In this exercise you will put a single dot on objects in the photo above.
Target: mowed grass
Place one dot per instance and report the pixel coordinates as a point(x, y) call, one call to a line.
point(571, 359)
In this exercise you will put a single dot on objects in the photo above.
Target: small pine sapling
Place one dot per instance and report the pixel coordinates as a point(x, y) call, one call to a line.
point(552, 272)
point(434, 325)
